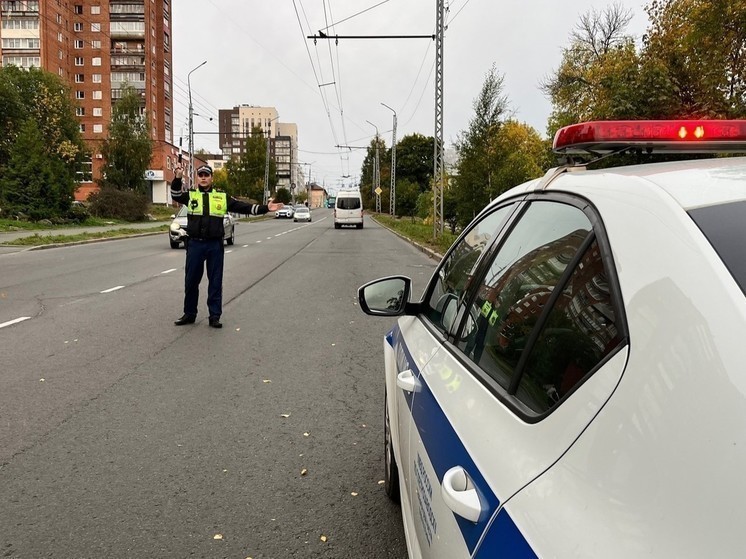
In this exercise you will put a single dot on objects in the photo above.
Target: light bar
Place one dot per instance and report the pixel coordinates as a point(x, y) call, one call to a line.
point(659, 136)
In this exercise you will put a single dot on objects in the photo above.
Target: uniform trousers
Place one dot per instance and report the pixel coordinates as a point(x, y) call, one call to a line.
point(199, 252)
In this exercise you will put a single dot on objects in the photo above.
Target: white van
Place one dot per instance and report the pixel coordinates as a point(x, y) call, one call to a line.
point(348, 209)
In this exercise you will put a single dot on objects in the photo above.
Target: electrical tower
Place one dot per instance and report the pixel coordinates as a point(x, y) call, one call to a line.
point(438, 164)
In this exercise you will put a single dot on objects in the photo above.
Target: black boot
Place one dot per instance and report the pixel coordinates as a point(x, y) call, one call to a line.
point(215, 322)
point(186, 319)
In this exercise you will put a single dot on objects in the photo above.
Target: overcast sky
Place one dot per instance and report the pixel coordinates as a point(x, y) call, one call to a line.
point(257, 53)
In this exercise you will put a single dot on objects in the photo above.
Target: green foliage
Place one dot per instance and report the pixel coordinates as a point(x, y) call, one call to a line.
point(246, 174)
point(220, 181)
point(407, 193)
point(414, 159)
point(282, 195)
point(128, 149)
point(40, 145)
point(127, 205)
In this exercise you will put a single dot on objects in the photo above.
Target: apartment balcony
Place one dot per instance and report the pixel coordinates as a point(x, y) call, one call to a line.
point(127, 30)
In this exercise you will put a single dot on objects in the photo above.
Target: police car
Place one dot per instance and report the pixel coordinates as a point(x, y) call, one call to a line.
point(572, 382)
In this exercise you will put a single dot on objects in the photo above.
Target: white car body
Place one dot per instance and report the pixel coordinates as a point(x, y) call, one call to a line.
point(177, 230)
point(302, 213)
point(644, 456)
point(348, 209)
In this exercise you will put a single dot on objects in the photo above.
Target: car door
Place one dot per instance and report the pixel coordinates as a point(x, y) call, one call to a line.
point(535, 355)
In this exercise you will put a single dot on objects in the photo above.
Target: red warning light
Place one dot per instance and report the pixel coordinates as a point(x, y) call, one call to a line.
point(654, 135)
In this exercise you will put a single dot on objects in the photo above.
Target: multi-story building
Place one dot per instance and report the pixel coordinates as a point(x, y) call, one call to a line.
point(235, 126)
point(98, 46)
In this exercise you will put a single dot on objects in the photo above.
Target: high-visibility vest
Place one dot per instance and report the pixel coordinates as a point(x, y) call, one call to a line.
point(218, 203)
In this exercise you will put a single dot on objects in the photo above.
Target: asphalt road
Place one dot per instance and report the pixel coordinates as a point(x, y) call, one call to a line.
point(122, 435)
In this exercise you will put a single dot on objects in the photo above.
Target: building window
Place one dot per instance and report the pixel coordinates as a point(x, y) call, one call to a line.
point(96, 27)
point(96, 78)
point(79, 78)
point(78, 44)
point(98, 111)
point(59, 37)
point(80, 94)
point(79, 111)
point(96, 44)
point(95, 10)
point(77, 26)
point(78, 9)
point(78, 60)
point(82, 128)
point(98, 128)
point(96, 61)
point(97, 95)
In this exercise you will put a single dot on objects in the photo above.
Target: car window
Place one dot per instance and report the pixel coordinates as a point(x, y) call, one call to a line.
point(348, 203)
point(450, 281)
point(182, 211)
point(575, 335)
point(725, 229)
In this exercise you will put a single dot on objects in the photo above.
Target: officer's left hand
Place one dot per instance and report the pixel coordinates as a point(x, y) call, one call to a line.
point(274, 206)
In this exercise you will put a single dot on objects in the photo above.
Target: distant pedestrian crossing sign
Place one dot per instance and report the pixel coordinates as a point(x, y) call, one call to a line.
point(378, 191)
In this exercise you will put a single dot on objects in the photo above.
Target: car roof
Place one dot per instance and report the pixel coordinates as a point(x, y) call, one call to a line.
point(691, 183)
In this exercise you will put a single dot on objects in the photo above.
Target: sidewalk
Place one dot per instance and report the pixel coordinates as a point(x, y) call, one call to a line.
point(8, 236)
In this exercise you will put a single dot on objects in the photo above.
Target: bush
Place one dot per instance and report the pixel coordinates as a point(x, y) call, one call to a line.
point(77, 213)
point(119, 204)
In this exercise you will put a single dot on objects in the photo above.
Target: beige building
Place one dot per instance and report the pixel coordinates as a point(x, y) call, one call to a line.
point(236, 125)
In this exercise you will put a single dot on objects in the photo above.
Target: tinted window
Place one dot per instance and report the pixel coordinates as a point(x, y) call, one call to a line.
point(518, 283)
point(450, 281)
point(725, 227)
point(349, 203)
point(580, 329)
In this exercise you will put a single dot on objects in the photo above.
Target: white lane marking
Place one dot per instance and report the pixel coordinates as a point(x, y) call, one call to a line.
point(169, 271)
point(269, 238)
point(15, 321)
point(113, 289)
point(228, 251)
point(244, 246)
point(259, 242)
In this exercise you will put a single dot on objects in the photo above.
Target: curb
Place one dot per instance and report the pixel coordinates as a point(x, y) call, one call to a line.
point(83, 242)
point(430, 252)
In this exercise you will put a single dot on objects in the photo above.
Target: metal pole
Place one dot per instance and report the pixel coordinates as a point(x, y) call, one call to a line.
point(265, 198)
point(438, 167)
point(191, 125)
point(392, 193)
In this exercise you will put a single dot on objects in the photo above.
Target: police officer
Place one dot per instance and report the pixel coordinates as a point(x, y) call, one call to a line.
point(206, 208)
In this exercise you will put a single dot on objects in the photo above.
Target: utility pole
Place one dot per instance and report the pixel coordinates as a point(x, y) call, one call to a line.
point(265, 197)
point(376, 172)
point(191, 125)
point(392, 193)
point(438, 164)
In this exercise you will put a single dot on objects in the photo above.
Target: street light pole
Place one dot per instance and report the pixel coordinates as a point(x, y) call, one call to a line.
point(392, 193)
point(265, 198)
point(376, 172)
point(191, 125)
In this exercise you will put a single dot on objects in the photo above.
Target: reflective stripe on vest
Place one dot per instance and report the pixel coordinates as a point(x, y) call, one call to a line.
point(218, 203)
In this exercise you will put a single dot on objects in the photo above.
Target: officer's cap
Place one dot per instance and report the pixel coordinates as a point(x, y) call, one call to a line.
point(204, 169)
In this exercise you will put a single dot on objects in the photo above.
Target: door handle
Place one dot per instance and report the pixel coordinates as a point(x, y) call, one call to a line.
point(460, 495)
point(406, 381)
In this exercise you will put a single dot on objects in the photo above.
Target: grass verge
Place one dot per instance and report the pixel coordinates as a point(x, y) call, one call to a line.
point(417, 231)
point(40, 240)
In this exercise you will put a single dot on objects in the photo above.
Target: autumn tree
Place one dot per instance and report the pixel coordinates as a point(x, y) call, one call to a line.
point(37, 123)
point(246, 173)
point(128, 148)
point(474, 181)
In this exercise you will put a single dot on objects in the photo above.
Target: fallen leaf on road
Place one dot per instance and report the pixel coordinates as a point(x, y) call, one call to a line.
point(285, 415)
point(266, 381)
point(323, 538)
point(354, 493)
point(41, 380)
point(306, 434)
point(238, 329)
point(217, 537)
point(303, 472)
point(381, 482)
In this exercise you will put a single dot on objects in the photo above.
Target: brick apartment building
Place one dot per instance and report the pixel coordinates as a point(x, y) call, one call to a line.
point(97, 46)
point(235, 126)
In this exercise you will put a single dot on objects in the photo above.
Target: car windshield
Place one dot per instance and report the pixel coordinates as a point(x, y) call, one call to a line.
point(182, 211)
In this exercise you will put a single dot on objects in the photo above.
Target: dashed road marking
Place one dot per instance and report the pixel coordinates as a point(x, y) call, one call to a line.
point(14, 321)
point(169, 271)
point(112, 289)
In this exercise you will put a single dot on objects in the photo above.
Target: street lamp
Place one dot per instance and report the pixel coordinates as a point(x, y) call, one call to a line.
point(191, 125)
point(392, 194)
point(308, 183)
point(265, 198)
point(376, 172)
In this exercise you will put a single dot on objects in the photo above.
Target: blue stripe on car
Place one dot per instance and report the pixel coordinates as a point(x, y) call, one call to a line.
point(445, 450)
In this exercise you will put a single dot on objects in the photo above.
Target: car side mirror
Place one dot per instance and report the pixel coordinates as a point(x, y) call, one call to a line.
point(386, 296)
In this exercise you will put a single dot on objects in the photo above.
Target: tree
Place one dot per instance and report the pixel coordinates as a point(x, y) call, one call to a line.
point(366, 171)
point(128, 149)
point(37, 116)
point(407, 193)
point(701, 43)
point(282, 195)
point(474, 182)
point(414, 159)
point(246, 173)
point(522, 155)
